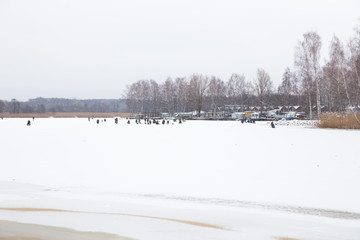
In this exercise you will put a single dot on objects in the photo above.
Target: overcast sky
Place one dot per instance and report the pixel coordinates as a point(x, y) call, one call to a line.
point(92, 49)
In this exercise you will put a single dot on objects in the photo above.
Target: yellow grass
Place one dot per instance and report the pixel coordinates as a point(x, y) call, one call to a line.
point(65, 115)
point(338, 120)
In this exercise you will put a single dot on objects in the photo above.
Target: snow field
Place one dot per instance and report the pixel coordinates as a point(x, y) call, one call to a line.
point(147, 169)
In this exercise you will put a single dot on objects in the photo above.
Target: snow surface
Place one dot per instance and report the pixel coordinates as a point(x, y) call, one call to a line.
point(154, 181)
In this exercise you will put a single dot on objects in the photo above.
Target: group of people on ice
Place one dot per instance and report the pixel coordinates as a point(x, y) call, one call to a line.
point(145, 120)
point(248, 120)
point(148, 121)
point(154, 121)
point(253, 121)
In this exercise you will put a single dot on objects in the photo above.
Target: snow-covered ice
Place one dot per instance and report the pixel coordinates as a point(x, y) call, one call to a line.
point(196, 180)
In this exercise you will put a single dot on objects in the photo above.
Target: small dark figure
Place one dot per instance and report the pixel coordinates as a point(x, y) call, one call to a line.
point(242, 120)
point(116, 120)
point(33, 118)
point(97, 121)
point(104, 120)
point(89, 119)
point(28, 123)
point(128, 122)
point(272, 125)
point(167, 122)
point(163, 121)
point(180, 121)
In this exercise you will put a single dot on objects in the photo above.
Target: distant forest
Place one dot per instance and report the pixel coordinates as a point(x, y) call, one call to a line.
point(62, 105)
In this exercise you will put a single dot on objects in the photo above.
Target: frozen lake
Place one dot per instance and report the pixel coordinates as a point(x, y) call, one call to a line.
point(196, 180)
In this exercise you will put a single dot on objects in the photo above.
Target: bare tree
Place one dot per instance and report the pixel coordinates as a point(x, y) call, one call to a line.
point(262, 86)
point(287, 87)
point(216, 92)
point(129, 95)
point(354, 63)
point(168, 95)
point(307, 59)
point(155, 97)
point(138, 94)
point(2, 106)
point(335, 73)
point(14, 106)
point(197, 87)
point(181, 94)
point(236, 88)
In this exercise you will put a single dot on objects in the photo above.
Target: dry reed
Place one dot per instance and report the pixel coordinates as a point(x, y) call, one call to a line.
point(339, 120)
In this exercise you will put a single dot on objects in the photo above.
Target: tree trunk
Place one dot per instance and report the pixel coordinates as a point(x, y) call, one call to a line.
point(310, 107)
point(348, 97)
point(318, 104)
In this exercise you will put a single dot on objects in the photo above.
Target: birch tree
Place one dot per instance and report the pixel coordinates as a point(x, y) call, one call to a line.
point(181, 93)
point(216, 92)
point(307, 58)
point(138, 94)
point(354, 62)
point(335, 73)
point(154, 96)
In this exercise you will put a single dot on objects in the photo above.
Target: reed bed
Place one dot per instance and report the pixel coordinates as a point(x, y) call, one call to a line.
point(339, 120)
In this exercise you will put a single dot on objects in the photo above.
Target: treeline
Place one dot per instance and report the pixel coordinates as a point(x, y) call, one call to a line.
point(43, 105)
point(334, 85)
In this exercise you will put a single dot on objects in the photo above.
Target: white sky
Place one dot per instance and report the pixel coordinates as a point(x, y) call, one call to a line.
point(93, 49)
